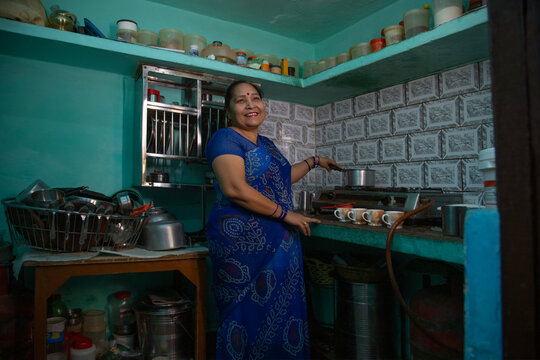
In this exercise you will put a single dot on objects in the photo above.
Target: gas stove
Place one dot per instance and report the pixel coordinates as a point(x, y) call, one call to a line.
point(398, 199)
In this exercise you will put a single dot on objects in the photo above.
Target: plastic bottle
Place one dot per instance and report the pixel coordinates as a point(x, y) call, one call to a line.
point(83, 349)
point(55, 346)
point(57, 307)
point(121, 316)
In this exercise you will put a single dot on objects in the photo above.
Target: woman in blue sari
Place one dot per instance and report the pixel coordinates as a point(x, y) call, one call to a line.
point(253, 237)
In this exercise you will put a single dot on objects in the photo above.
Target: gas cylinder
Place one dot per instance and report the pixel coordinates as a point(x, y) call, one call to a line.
point(439, 311)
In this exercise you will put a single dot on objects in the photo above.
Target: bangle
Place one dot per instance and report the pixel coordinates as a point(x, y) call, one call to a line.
point(309, 167)
point(277, 205)
point(314, 162)
point(283, 213)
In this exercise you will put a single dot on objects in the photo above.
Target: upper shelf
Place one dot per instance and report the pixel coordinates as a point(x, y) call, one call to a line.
point(456, 43)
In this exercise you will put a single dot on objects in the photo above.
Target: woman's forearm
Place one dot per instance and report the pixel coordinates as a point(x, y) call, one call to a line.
point(300, 169)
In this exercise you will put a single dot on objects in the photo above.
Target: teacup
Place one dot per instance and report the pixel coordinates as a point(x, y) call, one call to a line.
point(341, 213)
point(390, 217)
point(355, 215)
point(373, 217)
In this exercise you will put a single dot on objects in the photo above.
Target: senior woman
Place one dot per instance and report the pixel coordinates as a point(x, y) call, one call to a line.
point(253, 237)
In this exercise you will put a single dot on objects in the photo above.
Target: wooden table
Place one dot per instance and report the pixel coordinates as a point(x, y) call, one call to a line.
point(50, 275)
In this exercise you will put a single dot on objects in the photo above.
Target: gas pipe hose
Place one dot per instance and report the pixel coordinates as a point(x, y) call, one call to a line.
point(414, 317)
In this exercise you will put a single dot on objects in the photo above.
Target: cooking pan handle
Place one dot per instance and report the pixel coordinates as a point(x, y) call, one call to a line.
point(141, 209)
point(334, 167)
point(338, 206)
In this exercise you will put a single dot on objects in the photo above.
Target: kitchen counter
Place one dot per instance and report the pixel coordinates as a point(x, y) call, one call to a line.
point(420, 240)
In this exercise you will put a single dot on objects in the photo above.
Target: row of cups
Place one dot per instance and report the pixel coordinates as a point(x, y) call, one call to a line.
point(372, 217)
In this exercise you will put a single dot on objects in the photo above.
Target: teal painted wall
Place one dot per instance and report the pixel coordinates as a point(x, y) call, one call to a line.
point(154, 16)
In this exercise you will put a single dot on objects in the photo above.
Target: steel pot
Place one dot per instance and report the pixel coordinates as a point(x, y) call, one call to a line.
point(359, 177)
point(164, 235)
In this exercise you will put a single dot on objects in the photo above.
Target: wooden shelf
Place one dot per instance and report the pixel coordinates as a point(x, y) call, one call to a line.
point(456, 43)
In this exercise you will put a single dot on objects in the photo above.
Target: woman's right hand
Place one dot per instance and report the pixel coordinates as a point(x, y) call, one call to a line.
point(301, 222)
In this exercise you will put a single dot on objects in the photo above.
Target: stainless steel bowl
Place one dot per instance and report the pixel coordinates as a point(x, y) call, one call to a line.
point(164, 235)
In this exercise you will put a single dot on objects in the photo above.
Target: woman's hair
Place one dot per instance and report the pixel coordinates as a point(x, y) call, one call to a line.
point(230, 89)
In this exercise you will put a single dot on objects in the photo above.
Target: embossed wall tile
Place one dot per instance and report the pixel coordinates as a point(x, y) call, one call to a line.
point(290, 132)
point(445, 175)
point(343, 109)
point(333, 133)
point(441, 113)
point(392, 97)
point(394, 149)
point(409, 175)
point(485, 74)
point(333, 179)
point(379, 125)
point(269, 129)
point(472, 177)
point(473, 198)
point(324, 114)
point(345, 154)
point(477, 107)
point(407, 120)
point(488, 140)
point(425, 146)
point(319, 135)
point(286, 150)
point(303, 153)
point(460, 80)
point(325, 151)
point(278, 109)
point(304, 113)
point(365, 104)
point(383, 175)
point(368, 151)
point(314, 178)
point(423, 89)
point(461, 142)
point(354, 128)
point(311, 139)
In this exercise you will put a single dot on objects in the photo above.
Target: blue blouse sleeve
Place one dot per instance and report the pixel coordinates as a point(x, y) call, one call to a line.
point(223, 143)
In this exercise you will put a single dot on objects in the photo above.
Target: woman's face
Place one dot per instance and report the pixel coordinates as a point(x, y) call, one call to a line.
point(246, 109)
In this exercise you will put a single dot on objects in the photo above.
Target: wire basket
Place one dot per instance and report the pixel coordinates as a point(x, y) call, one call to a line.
point(70, 231)
point(319, 271)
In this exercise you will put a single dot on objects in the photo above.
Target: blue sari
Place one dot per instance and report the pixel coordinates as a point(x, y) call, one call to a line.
point(257, 261)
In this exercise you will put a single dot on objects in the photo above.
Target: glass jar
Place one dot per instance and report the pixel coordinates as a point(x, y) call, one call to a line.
point(95, 327)
point(121, 315)
point(241, 58)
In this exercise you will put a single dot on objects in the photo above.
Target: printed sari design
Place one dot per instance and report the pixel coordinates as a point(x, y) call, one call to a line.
point(257, 260)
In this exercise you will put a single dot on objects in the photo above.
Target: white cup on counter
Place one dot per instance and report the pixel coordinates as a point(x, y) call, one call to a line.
point(355, 215)
point(341, 213)
point(390, 217)
point(373, 217)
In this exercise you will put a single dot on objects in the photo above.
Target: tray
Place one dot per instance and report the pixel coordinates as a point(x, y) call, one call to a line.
point(70, 231)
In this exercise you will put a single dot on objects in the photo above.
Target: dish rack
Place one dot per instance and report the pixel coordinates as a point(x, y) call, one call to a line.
point(70, 231)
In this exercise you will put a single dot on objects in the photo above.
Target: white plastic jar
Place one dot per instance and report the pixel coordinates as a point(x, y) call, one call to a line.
point(83, 349)
point(127, 31)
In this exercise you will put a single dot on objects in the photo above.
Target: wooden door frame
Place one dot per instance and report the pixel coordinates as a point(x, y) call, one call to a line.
point(515, 59)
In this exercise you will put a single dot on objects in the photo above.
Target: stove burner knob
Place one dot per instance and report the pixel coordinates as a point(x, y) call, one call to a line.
point(386, 200)
point(331, 195)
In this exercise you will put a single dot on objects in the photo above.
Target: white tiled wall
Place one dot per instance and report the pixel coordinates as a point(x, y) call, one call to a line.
point(422, 134)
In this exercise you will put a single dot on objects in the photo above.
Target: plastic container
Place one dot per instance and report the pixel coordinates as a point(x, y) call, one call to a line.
point(56, 324)
point(295, 64)
point(487, 166)
point(446, 10)
point(343, 58)
point(219, 53)
point(272, 59)
point(127, 31)
point(95, 327)
point(194, 42)
point(331, 61)
point(55, 346)
point(147, 37)
point(361, 49)
point(322, 65)
point(171, 39)
point(241, 58)
point(276, 69)
point(308, 68)
point(265, 66)
point(416, 21)
point(254, 62)
point(377, 44)
point(394, 34)
point(121, 315)
point(83, 349)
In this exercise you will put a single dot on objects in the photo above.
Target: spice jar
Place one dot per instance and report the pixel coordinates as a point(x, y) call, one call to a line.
point(377, 44)
point(241, 58)
point(276, 69)
point(284, 67)
point(265, 65)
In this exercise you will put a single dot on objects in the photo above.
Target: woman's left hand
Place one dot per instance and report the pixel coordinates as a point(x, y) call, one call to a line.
point(325, 162)
point(301, 222)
